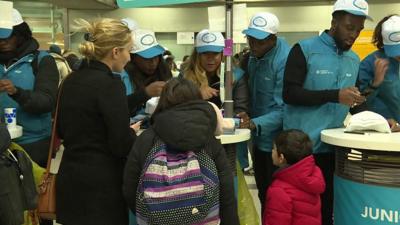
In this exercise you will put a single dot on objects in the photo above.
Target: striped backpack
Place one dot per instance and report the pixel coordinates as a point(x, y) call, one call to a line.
point(177, 188)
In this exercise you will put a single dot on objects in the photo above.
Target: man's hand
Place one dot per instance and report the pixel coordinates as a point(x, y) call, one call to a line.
point(7, 86)
point(245, 121)
point(394, 125)
point(350, 96)
point(136, 126)
point(154, 89)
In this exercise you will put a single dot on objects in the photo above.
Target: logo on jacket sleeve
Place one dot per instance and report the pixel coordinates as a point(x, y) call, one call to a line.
point(324, 72)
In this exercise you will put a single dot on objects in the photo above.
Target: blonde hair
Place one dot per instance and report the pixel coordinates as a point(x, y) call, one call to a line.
point(194, 72)
point(101, 36)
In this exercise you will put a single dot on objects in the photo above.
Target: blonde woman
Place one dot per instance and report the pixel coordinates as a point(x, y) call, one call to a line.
point(93, 121)
point(203, 68)
point(204, 64)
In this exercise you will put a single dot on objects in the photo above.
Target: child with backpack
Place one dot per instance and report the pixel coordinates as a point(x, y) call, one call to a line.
point(293, 198)
point(177, 172)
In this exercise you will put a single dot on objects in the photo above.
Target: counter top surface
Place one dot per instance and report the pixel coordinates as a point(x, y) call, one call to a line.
point(239, 136)
point(15, 132)
point(369, 140)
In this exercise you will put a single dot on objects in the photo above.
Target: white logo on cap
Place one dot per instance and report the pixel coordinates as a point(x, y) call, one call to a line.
point(361, 4)
point(208, 38)
point(394, 36)
point(260, 21)
point(147, 39)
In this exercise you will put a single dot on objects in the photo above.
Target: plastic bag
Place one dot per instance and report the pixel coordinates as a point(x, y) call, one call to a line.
point(31, 217)
point(246, 210)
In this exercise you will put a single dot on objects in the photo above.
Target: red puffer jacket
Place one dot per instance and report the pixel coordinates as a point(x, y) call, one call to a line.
point(294, 195)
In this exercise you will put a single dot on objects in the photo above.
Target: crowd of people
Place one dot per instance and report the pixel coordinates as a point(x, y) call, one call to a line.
point(176, 170)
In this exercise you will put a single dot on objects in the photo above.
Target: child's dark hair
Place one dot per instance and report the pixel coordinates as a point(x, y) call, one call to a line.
point(177, 91)
point(294, 144)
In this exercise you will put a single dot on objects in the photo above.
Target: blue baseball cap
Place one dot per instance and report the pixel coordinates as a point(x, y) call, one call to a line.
point(207, 41)
point(6, 22)
point(262, 25)
point(355, 7)
point(145, 44)
point(5, 32)
point(391, 36)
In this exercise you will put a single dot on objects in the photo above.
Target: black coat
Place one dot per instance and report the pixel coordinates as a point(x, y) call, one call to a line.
point(94, 123)
point(11, 207)
point(189, 126)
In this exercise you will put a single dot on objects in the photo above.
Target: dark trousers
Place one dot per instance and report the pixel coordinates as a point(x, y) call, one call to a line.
point(242, 154)
point(38, 151)
point(326, 163)
point(263, 171)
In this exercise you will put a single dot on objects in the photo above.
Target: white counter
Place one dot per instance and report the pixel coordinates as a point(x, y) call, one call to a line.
point(15, 132)
point(369, 140)
point(239, 136)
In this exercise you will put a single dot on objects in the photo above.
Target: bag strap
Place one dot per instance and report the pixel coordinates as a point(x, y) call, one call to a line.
point(53, 130)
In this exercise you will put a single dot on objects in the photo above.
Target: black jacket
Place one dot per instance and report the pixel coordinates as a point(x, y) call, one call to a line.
point(241, 96)
point(5, 139)
point(93, 120)
point(140, 81)
point(187, 126)
point(11, 207)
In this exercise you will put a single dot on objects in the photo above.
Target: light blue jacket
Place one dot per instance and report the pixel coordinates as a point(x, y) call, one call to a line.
point(386, 99)
point(35, 126)
point(265, 86)
point(127, 82)
point(328, 68)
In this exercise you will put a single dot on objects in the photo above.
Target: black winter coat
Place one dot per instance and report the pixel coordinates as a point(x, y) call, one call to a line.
point(188, 126)
point(93, 120)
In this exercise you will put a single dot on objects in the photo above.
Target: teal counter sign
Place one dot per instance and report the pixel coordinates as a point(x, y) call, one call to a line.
point(147, 3)
point(365, 204)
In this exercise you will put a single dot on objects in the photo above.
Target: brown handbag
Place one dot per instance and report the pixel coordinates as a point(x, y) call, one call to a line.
point(47, 197)
point(47, 188)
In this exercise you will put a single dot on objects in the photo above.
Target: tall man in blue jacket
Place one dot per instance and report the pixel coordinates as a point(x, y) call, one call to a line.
point(265, 68)
point(319, 85)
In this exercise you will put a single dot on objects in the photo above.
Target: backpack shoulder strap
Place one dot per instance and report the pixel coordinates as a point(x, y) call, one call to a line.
point(37, 57)
point(158, 145)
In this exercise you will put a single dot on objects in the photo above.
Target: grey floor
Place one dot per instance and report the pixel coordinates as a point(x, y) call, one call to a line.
point(251, 184)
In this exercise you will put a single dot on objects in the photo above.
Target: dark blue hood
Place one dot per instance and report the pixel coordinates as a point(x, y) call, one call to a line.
point(187, 126)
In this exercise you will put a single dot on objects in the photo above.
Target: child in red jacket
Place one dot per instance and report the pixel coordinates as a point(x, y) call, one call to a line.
point(293, 198)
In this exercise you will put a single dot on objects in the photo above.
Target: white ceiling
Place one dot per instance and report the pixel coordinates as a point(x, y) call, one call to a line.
point(72, 4)
point(111, 4)
point(38, 13)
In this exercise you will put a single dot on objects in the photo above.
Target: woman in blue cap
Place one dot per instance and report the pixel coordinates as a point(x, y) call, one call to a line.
point(147, 70)
point(379, 71)
point(203, 68)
